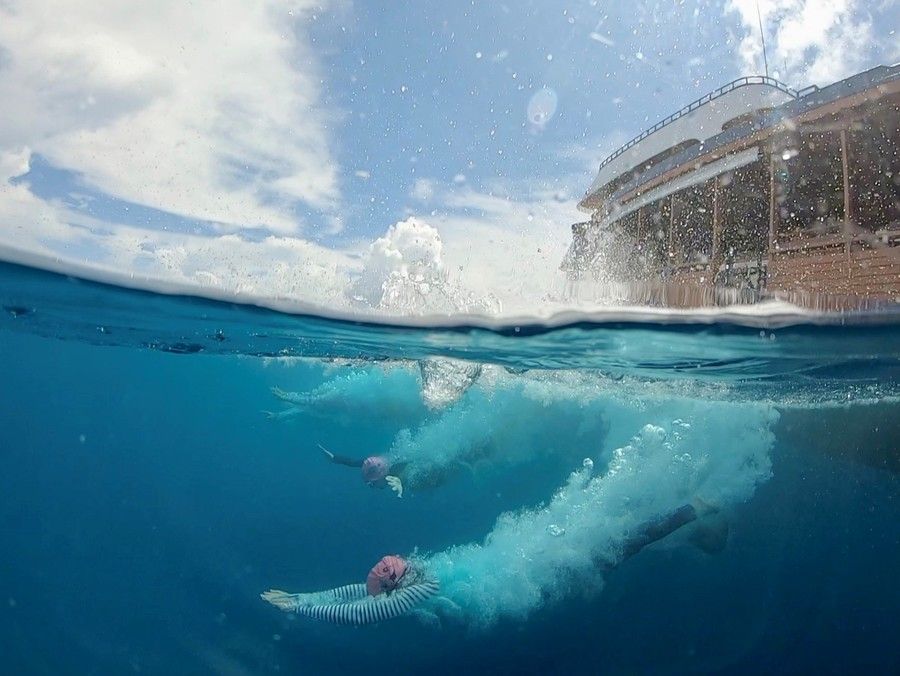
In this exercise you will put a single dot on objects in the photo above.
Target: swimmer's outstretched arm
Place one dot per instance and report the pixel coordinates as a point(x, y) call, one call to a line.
point(340, 459)
point(291, 602)
point(341, 606)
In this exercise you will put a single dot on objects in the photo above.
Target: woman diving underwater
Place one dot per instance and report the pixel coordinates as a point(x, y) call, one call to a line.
point(396, 586)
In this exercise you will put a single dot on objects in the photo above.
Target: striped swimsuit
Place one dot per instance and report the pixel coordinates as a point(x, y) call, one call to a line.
point(351, 603)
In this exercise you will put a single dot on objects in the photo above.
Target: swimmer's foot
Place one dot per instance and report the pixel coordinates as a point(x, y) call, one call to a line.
point(710, 535)
point(710, 532)
point(703, 508)
point(281, 599)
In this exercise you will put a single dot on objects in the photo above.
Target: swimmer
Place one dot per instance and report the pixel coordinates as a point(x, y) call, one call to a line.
point(376, 470)
point(394, 587)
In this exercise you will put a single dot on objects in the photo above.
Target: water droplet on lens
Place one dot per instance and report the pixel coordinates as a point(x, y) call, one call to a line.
point(542, 107)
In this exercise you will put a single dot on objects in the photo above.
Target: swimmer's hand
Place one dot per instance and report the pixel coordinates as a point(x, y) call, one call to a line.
point(395, 484)
point(280, 394)
point(327, 453)
point(281, 599)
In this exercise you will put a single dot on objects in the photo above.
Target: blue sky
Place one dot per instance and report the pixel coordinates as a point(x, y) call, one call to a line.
point(435, 92)
point(315, 126)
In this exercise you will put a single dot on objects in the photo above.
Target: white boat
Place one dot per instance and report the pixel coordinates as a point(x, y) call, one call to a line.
point(754, 190)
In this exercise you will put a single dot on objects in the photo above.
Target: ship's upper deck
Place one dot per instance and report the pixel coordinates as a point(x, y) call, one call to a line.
point(692, 125)
point(720, 119)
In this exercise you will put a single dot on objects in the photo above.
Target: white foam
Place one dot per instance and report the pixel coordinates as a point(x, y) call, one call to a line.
point(444, 381)
point(388, 394)
point(404, 274)
point(535, 556)
point(500, 422)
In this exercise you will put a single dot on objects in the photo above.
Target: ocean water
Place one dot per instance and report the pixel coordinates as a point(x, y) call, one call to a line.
point(152, 487)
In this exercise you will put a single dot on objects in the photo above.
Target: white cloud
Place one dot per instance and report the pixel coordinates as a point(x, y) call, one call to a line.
point(816, 41)
point(274, 268)
point(206, 110)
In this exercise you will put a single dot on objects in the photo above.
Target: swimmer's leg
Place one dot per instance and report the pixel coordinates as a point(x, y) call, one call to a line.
point(656, 530)
point(709, 540)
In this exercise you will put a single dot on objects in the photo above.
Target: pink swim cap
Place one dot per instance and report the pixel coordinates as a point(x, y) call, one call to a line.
point(375, 468)
point(385, 575)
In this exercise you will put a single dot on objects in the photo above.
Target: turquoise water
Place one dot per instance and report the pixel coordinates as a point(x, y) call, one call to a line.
point(153, 486)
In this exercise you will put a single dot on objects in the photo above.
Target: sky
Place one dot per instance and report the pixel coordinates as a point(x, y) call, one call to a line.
point(293, 148)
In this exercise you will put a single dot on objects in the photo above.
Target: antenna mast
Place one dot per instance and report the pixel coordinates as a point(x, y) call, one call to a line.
point(762, 37)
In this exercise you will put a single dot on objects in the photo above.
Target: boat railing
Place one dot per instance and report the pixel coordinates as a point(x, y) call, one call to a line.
point(724, 89)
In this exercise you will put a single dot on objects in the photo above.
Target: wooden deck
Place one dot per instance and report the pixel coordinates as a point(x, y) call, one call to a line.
point(827, 273)
point(851, 272)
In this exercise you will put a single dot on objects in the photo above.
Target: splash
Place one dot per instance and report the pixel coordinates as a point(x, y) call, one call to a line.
point(384, 393)
point(536, 556)
point(500, 422)
point(444, 381)
point(405, 274)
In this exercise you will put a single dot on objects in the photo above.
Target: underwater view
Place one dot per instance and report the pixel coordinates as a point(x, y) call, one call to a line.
point(445, 338)
point(597, 498)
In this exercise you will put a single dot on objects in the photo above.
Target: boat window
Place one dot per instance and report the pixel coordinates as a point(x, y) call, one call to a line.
point(744, 212)
point(692, 223)
point(656, 239)
point(811, 180)
point(873, 148)
point(745, 117)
